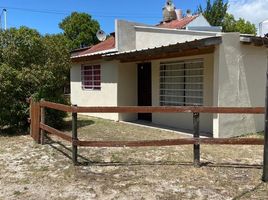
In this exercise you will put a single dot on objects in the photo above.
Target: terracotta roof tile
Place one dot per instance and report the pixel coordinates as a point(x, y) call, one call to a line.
point(102, 46)
point(178, 24)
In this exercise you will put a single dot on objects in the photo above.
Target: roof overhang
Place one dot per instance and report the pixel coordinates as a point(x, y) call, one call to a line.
point(256, 41)
point(196, 47)
point(91, 56)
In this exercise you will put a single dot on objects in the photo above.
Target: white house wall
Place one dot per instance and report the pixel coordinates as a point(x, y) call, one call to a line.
point(127, 89)
point(184, 120)
point(199, 21)
point(125, 35)
point(239, 82)
point(147, 37)
point(107, 96)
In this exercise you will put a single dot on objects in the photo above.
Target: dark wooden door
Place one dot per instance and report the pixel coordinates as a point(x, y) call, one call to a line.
point(145, 89)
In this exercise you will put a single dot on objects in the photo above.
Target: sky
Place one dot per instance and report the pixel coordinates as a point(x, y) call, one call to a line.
point(45, 15)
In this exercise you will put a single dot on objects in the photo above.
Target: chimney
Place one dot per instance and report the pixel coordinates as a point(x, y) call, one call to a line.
point(188, 13)
point(169, 13)
point(179, 14)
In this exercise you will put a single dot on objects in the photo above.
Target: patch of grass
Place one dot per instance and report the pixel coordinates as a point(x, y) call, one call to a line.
point(44, 168)
point(17, 193)
point(115, 158)
point(253, 135)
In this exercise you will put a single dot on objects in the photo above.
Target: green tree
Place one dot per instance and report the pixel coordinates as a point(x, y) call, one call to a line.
point(214, 12)
point(240, 25)
point(30, 65)
point(80, 29)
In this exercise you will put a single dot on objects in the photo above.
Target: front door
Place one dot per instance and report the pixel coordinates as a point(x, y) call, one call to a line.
point(145, 89)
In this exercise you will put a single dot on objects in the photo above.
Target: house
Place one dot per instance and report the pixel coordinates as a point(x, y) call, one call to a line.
point(179, 62)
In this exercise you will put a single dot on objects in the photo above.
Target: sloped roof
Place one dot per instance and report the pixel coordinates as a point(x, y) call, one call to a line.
point(178, 24)
point(195, 47)
point(106, 45)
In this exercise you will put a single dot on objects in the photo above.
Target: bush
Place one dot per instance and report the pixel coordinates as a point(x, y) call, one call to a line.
point(31, 65)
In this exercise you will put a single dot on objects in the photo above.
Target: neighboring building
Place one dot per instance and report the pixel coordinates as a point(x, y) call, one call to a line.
point(172, 65)
point(263, 30)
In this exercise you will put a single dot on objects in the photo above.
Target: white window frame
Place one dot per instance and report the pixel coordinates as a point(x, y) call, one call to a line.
point(93, 86)
point(181, 92)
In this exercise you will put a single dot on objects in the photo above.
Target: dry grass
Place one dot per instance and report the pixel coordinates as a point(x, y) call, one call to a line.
point(31, 171)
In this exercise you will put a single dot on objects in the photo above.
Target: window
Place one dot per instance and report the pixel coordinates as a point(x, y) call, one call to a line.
point(91, 77)
point(181, 83)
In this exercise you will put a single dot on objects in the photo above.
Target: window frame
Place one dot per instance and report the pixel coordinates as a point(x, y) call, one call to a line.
point(164, 95)
point(93, 86)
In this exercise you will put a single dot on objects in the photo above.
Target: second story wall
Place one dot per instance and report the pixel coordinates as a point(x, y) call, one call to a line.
point(150, 37)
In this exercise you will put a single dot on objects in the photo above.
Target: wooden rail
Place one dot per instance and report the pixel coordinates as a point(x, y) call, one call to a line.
point(56, 132)
point(173, 142)
point(38, 127)
point(152, 109)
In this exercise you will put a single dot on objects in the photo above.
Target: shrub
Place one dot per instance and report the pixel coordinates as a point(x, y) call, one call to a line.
point(31, 65)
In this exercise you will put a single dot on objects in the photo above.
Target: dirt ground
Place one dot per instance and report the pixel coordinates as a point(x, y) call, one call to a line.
point(32, 171)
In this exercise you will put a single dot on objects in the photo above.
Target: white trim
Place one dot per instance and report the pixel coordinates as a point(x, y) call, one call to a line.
point(205, 33)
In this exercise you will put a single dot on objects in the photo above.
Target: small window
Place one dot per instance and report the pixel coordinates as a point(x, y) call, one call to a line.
point(91, 77)
point(181, 83)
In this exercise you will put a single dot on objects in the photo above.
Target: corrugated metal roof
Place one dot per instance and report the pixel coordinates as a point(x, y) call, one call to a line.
point(205, 42)
point(201, 46)
point(99, 48)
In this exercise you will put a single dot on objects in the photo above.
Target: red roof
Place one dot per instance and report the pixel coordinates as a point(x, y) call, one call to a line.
point(102, 46)
point(110, 42)
point(178, 24)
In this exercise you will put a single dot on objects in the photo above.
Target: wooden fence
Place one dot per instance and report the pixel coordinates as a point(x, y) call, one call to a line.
point(38, 127)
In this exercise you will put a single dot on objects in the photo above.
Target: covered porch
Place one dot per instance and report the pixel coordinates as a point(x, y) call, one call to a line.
point(176, 75)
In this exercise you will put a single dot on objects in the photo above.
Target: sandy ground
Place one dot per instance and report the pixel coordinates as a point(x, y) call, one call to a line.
point(31, 171)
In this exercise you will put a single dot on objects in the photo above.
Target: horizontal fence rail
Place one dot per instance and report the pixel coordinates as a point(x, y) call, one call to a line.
point(147, 143)
point(56, 132)
point(173, 142)
point(152, 109)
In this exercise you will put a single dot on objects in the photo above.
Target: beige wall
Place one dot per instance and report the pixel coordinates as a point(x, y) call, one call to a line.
point(107, 96)
point(239, 81)
point(127, 89)
point(185, 120)
point(152, 37)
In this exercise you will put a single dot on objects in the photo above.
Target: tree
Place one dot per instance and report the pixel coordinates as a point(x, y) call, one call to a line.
point(240, 25)
point(80, 29)
point(214, 12)
point(30, 65)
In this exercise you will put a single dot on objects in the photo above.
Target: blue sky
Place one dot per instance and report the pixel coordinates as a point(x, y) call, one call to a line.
point(44, 15)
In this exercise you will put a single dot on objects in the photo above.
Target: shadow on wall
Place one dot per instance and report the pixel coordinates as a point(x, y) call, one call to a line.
point(253, 82)
point(241, 84)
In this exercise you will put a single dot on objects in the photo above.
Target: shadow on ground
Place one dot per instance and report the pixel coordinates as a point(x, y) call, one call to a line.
point(13, 132)
point(80, 124)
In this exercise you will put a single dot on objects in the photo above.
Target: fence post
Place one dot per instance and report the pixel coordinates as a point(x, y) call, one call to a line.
point(74, 136)
point(43, 121)
point(196, 135)
point(265, 154)
point(30, 113)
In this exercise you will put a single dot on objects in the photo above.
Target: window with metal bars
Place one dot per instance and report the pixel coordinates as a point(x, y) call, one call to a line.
point(181, 83)
point(91, 77)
